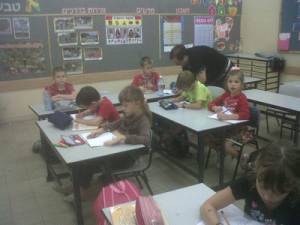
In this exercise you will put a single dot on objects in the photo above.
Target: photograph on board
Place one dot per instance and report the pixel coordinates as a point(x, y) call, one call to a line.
point(21, 28)
point(63, 24)
point(89, 38)
point(5, 26)
point(71, 53)
point(83, 22)
point(92, 53)
point(69, 38)
point(74, 67)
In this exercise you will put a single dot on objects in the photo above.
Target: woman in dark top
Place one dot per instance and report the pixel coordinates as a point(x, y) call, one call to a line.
point(207, 64)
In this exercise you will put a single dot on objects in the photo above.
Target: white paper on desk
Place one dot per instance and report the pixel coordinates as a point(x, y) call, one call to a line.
point(168, 92)
point(89, 117)
point(236, 220)
point(227, 112)
point(98, 141)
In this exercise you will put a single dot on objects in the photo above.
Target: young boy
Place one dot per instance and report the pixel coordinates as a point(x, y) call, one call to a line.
point(147, 80)
point(193, 91)
point(88, 97)
point(61, 90)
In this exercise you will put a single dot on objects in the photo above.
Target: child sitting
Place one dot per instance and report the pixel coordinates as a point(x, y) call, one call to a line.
point(134, 128)
point(61, 90)
point(147, 80)
point(236, 102)
point(193, 91)
point(89, 98)
point(271, 192)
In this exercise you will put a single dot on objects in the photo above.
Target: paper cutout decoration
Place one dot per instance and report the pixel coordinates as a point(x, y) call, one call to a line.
point(232, 10)
point(221, 11)
point(284, 41)
point(212, 11)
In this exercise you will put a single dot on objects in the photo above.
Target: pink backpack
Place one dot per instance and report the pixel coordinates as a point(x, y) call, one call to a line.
point(114, 194)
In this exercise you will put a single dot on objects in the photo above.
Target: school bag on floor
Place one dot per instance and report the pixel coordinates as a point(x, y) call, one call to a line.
point(114, 194)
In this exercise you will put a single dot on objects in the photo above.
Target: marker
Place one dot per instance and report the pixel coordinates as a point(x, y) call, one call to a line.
point(57, 145)
point(62, 144)
point(225, 217)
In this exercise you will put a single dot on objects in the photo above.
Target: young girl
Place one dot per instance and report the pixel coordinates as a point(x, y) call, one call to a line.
point(134, 128)
point(271, 192)
point(236, 102)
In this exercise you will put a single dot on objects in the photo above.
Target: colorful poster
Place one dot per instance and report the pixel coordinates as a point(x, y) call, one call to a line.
point(172, 32)
point(65, 39)
point(22, 57)
point(89, 38)
point(5, 26)
point(72, 53)
point(21, 28)
point(93, 53)
point(83, 22)
point(123, 30)
point(73, 67)
point(65, 24)
point(204, 31)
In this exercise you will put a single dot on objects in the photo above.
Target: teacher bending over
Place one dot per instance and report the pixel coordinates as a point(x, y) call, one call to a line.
point(207, 64)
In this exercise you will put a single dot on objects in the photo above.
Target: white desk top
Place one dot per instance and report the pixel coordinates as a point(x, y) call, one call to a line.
point(182, 206)
point(275, 100)
point(249, 80)
point(84, 152)
point(195, 120)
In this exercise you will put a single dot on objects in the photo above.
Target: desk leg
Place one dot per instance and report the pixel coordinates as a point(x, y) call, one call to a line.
point(201, 158)
point(108, 170)
point(296, 140)
point(78, 206)
point(46, 153)
point(222, 159)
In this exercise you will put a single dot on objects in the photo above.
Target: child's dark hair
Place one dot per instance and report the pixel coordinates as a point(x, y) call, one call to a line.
point(185, 79)
point(231, 73)
point(87, 95)
point(146, 61)
point(278, 169)
point(178, 52)
point(132, 93)
point(58, 69)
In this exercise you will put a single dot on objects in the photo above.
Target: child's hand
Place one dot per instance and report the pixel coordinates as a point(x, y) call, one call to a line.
point(143, 88)
point(115, 140)
point(218, 109)
point(79, 120)
point(178, 104)
point(222, 116)
point(96, 133)
point(79, 115)
point(177, 91)
point(149, 85)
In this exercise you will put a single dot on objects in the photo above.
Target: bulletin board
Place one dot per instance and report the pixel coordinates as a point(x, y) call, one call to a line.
point(82, 36)
point(290, 24)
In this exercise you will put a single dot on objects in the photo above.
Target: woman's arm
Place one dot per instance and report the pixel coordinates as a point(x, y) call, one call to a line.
point(218, 201)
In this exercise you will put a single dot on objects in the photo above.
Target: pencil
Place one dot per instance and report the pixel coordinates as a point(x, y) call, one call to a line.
point(223, 214)
point(79, 112)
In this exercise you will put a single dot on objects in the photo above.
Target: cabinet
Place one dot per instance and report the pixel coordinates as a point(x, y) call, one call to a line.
point(259, 67)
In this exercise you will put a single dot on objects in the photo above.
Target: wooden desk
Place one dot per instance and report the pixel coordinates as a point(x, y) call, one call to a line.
point(278, 101)
point(197, 122)
point(182, 206)
point(76, 155)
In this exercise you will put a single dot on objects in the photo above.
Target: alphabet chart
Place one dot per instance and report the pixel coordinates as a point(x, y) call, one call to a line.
point(204, 30)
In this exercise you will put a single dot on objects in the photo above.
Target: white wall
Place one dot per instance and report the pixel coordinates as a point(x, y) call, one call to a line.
point(259, 30)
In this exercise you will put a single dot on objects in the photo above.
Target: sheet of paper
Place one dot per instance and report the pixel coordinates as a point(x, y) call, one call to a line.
point(225, 111)
point(98, 141)
point(168, 92)
point(236, 220)
point(89, 117)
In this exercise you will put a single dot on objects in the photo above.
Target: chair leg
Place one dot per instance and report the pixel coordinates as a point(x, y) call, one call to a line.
point(237, 163)
point(281, 131)
point(207, 159)
point(138, 180)
point(145, 178)
point(267, 121)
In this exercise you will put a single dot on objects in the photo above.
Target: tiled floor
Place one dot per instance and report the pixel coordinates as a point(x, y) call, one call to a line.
point(27, 198)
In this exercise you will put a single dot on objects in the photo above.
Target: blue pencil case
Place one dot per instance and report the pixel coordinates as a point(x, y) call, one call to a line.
point(167, 105)
point(60, 120)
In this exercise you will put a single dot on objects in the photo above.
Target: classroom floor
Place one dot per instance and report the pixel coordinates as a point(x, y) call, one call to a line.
point(26, 197)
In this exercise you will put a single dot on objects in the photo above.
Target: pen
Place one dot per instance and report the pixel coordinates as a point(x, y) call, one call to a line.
point(62, 144)
point(223, 214)
point(225, 111)
point(79, 112)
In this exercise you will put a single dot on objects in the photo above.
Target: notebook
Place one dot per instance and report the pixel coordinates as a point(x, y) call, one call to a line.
point(225, 111)
point(80, 126)
point(98, 141)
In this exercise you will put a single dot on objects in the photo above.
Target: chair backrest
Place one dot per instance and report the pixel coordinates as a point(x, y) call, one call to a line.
point(254, 117)
point(215, 91)
point(290, 90)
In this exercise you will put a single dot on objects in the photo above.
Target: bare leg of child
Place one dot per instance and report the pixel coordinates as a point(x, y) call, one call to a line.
point(230, 149)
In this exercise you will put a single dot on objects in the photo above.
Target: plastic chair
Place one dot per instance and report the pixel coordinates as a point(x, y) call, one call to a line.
point(290, 90)
point(288, 124)
point(254, 121)
point(138, 169)
point(215, 91)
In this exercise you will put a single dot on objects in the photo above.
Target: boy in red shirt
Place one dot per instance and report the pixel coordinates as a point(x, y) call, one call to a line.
point(147, 80)
point(61, 90)
point(89, 98)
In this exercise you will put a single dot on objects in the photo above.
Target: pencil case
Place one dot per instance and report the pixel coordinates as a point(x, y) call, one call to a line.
point(60, 120)
point(166, 104)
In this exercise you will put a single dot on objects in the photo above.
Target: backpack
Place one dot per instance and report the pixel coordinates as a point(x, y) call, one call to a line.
point(114, 194)
point(277, 61)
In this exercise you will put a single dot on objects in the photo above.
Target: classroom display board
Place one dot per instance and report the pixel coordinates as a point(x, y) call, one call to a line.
point(289, 36)
point(88, 37)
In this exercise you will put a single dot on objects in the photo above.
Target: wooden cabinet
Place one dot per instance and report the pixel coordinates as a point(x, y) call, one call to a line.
point(259, 67)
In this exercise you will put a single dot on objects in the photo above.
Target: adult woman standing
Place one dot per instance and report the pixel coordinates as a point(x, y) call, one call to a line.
point(207, 64)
